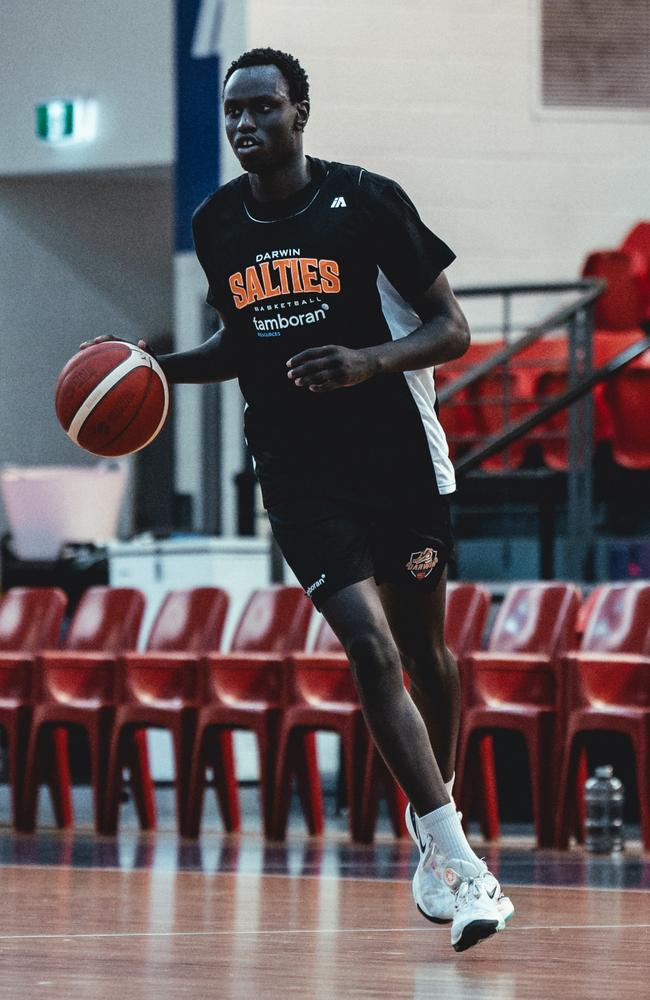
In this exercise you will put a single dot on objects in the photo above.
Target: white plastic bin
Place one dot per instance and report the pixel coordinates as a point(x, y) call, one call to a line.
point(49, 506)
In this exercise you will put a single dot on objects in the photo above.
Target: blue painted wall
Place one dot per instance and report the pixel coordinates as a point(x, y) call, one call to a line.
point(197, 123)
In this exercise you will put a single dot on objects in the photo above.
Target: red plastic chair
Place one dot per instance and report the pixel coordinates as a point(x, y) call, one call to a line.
point(456, 415)
point(246, 689)
point(553, 434)
point(492, 414)
point(30, 619)
point(461, 415)
point(485, 398)
point(516, 685)
point(466, 613)
point(617, 315)
point(637, 247)
point(76, 686)
point(322, 696)
point(620, 306)
point(162, 688)
point(608, 690)
point(627, 397)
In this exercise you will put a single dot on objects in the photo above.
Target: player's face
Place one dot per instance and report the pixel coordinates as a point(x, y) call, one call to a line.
point(263, 127)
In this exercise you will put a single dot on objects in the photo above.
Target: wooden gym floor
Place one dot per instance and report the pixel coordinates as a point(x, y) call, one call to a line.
point(145, 916)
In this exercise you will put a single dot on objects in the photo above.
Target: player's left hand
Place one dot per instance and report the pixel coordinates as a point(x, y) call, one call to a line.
point(321, 369)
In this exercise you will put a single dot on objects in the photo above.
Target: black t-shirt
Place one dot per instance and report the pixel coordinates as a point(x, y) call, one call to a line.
point(344, 261)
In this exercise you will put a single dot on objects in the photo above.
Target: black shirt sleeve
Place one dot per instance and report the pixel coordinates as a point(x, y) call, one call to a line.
point(200, 248)
point(406, 250)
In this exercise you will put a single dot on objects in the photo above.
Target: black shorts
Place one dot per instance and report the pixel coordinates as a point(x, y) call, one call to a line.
point(330, 543)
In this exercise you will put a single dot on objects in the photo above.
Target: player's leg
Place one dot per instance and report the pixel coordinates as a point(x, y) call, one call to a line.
point(417, 622)
point(356, 615)
point(416, 619)
point(328, 545)
point(451, 883)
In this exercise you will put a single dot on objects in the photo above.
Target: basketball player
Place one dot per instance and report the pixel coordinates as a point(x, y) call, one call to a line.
point(335, 310)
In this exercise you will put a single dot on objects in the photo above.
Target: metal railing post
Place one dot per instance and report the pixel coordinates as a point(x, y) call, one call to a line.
point(505, 377)
point(580, 531)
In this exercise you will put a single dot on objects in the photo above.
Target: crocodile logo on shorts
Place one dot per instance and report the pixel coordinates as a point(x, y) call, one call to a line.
point(421, 563)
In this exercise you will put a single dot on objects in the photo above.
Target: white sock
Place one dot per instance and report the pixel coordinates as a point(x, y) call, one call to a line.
point(449, 785)
point(443, 825)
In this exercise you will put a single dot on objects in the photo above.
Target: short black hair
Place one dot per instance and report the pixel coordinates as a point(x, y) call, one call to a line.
point(288, 65)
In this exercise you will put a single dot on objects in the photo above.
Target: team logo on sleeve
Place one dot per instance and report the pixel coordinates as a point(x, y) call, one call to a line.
point(422, 563)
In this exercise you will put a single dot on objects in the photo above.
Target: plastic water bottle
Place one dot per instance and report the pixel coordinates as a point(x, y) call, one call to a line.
point(604, 798)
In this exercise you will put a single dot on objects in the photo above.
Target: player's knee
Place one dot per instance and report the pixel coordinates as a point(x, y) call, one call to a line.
point(430, 664)
point(371, 653)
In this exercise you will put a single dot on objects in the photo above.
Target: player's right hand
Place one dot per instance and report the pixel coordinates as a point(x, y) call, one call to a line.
point(142, 344)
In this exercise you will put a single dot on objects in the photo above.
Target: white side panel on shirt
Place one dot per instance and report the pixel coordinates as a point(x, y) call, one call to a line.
point(402, 319)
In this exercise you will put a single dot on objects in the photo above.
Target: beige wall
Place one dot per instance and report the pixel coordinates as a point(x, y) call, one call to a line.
point(120, 53)
point(440, 94)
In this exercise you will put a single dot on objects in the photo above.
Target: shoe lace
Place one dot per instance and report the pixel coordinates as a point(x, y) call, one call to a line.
point(472, 886)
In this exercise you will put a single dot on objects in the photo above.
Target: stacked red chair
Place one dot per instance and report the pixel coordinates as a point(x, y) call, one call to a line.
point(466, 614)
point(627, 397)
point(516, 685)
point(373, 774)
point(461, 416)
point(246, 690)
point(618, 317)
point(620, 306)
point(30, 619)
point(542, 369)
point(637, 247)
point(501, 398)
point(162, 688)
point(608, 691)
point(77, 687)
point(322, 696)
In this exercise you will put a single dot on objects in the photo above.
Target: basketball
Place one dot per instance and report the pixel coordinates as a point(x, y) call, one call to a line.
point(112, 398)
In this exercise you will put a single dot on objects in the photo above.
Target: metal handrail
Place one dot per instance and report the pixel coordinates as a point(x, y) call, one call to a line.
point(591, 289)
point(577, 318)
point(483, 291)
point(512, 432)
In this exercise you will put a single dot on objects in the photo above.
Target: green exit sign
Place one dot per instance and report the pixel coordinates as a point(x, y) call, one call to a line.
point(62, 122)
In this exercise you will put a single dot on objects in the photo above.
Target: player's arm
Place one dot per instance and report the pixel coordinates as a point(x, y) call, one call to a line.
point(443, 336)
point(212, 361)
point(413, 260)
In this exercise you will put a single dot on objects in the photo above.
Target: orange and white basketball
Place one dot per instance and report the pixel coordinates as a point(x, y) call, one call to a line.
point(112, 398)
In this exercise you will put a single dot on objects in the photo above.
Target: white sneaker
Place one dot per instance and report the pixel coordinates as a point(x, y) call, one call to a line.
point(433, 897)
point(476, 904)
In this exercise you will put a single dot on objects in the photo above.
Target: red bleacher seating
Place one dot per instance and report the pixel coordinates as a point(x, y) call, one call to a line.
point(162, 688)
point(620, 306)
point(637, 246)
point(77, 687)
point(321, 695)
point(246, 689)
point(515, 685)
point(460, 416)
point(608, 690)
point(30, 619)
point(627, 396)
